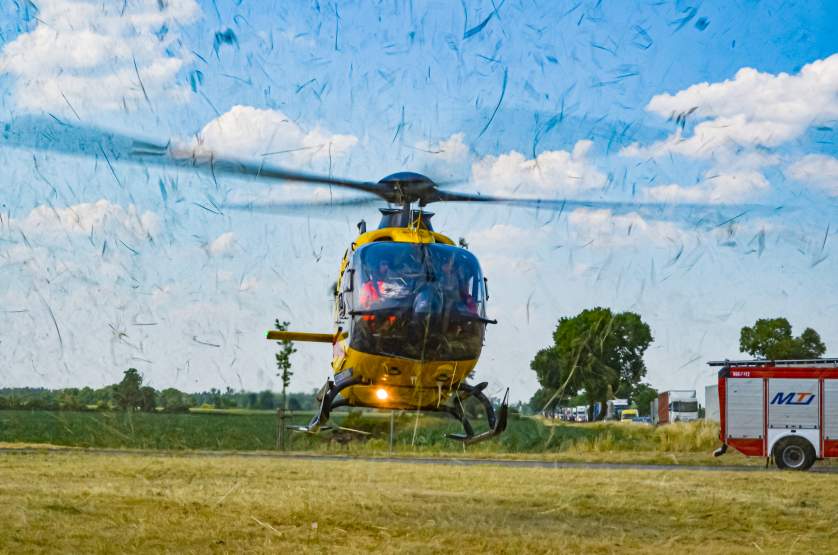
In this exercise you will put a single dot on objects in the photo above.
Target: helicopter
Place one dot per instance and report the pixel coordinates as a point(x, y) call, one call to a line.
point(410, 310)
point(409, 303)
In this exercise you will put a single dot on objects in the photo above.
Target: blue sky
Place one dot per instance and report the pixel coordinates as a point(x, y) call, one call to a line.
point(105, 267)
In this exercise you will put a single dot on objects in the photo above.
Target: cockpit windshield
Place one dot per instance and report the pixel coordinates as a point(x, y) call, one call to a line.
point(422, 301)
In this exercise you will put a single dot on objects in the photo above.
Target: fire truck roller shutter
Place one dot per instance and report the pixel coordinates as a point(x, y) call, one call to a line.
point(744, 408)
point(794, 411)
point(830, 417)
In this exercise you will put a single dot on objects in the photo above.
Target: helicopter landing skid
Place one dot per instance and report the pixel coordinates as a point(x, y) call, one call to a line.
point(497, 421)
point(326, 396)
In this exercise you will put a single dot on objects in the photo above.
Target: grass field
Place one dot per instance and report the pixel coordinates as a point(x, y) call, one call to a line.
point(234, 431)
point(250, 430)
point(88, 503)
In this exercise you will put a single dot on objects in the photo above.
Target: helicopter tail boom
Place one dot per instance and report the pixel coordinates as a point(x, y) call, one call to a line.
point(276, 335)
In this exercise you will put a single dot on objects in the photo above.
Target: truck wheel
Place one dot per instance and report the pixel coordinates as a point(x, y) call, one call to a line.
point(794, 453)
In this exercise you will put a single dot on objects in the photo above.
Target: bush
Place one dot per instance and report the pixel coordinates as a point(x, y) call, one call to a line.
point(686, 437)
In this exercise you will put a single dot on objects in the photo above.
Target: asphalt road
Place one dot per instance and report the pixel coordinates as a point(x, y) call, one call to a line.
point(819, 468)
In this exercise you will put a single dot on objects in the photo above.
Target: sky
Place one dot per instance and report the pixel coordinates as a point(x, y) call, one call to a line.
point(724, 113)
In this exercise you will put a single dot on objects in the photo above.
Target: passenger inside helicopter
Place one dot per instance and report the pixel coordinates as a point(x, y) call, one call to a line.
point(419, 301)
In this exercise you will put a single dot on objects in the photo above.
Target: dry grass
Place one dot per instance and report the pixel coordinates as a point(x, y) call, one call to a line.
point(97, 503)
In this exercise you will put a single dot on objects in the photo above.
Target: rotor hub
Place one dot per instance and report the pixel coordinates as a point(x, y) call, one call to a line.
point(407, 188)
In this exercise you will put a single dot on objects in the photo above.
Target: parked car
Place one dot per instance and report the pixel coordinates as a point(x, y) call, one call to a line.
point(628, 415)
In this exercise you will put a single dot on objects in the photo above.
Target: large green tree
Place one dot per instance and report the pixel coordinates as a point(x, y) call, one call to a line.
point(596, 351)
point(771, 338)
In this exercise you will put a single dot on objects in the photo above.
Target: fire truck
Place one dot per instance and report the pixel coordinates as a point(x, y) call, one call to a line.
point(785, 409)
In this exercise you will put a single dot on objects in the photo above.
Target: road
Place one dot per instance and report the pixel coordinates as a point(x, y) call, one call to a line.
point(522, 463)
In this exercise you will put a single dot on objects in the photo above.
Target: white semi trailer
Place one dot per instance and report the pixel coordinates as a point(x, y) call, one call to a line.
point(711, 403)
point(615, 407)
point(678, 405)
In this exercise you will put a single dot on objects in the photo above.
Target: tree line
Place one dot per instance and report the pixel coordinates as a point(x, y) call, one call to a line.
point(131, 394)
point(597, 355)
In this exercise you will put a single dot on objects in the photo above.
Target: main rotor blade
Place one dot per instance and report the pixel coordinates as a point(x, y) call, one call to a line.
point(55, 135)
point(271, 207)
point(572, 204)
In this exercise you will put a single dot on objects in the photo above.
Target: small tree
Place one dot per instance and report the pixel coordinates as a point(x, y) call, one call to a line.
point(69, 400)
point(148, 399)
point(216, 400)
point(127, 392)
point(772, 339)
point(642, 396)
point(543, 400)
point(283, 361)
point(266, 399)
point(174, 400)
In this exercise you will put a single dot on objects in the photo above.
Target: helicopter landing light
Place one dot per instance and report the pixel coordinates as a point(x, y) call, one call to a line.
point(381, 393)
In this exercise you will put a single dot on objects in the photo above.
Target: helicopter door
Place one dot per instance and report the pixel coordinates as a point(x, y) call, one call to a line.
point(345, 293)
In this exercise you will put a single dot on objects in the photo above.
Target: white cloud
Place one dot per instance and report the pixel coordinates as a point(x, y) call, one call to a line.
point(85, 56)
point(715, 188)
point(223, 245)
point(500, 236)
point(451, 150)
point(555, 173)
point(600, 226)
point(733, 177)
point(605, 228)
point(752, 109)
point(818, 170)
point(89, 218)
point(442, 159)
point(250, 132)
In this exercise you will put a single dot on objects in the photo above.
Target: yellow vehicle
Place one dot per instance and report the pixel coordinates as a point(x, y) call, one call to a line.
point(629, 415)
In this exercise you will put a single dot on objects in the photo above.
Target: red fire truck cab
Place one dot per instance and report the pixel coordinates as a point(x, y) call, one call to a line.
point(785, 409)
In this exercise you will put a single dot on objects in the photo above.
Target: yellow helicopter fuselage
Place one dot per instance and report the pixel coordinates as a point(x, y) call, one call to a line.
point(423, 380)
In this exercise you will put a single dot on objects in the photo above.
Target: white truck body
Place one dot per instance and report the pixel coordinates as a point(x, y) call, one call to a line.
point(615, 407)
point(711, 403)
point(677, 405)
point(581, 413)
